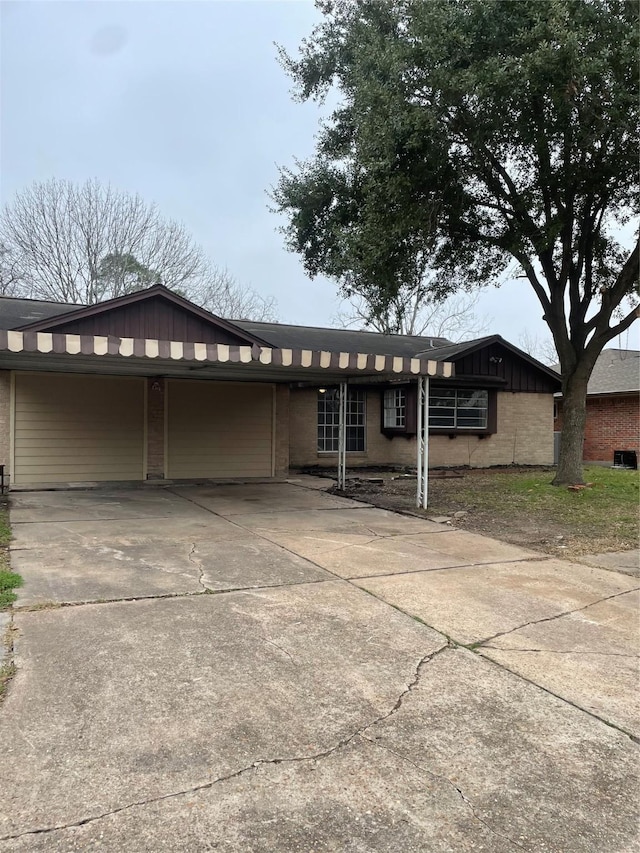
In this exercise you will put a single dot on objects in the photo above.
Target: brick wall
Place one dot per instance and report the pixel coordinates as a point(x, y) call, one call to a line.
point(5, 416)
point(524, 436)
point(156, 390)
point(613, 423)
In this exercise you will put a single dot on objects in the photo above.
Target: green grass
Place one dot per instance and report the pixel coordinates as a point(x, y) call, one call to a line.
point(8, 580)
point(7, 671)
point(5, 529)
point(603, 516)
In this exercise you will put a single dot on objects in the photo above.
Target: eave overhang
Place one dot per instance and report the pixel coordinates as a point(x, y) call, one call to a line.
point(181, 359)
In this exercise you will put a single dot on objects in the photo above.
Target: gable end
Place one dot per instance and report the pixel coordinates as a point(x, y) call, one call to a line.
point(156, 313)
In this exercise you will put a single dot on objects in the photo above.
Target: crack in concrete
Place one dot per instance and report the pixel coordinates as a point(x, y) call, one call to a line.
point(358, 733)
point(260, 762)
point(198, 564)
point(481, 644)
point(104, 550)
point(449, 782)
point(284, 651)
point(57, 605)
point(256, 532)
point(562, 652)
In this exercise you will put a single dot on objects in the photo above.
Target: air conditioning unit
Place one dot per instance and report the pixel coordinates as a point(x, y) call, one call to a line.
point(625, 459)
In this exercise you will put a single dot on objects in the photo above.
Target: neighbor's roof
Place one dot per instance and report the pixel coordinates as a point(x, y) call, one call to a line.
point(16, 312)
point(616, 371)
point(340, 340)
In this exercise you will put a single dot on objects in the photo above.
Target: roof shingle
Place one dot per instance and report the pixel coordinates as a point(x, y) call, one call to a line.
point(616, 371)
point(15, 312)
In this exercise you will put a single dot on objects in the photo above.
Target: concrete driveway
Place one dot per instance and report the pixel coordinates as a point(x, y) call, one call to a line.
point(271, 668)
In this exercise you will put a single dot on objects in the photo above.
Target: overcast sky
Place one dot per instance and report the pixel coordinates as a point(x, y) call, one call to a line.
point(184, 103)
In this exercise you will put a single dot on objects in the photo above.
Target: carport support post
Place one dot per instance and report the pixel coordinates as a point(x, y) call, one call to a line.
point(422, 440)
point(342, 435)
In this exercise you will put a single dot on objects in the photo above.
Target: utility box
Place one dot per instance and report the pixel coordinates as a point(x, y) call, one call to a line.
point(625, 459)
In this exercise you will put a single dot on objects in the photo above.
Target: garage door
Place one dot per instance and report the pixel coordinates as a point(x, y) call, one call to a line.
point(78, 428)
point(219, 429)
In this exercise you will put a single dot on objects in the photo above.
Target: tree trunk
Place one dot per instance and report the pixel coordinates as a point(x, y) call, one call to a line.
point(574, 415)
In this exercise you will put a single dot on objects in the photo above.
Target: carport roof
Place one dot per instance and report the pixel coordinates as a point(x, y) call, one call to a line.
point(179, 359)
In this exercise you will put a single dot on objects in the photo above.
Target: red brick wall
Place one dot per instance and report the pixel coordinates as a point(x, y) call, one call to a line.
point(613, 423)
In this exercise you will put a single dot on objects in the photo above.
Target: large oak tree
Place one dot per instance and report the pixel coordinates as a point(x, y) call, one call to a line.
point(469, 134)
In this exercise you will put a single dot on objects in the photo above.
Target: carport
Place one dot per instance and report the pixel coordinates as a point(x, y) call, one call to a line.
point(234, 387)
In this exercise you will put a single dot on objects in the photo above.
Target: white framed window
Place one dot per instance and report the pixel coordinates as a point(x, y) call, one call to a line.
point(395, 408)
point(458, 408)
point(329, 416)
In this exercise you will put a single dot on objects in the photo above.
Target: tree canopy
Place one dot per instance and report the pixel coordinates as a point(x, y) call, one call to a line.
point(469, 134)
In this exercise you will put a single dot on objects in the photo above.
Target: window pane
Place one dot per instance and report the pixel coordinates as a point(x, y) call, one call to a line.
point(329, 419)
point(459, 408)
point(394, 415)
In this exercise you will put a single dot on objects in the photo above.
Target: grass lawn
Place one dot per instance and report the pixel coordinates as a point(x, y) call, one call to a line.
point(521, 506)
point(8, 580)
point(602, 517)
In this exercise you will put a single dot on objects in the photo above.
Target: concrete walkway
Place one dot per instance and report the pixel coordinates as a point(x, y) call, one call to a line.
point(271, 668)
point(627, 562)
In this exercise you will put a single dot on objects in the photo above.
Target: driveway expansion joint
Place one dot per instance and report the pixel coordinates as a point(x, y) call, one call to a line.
point(441, 568)
point(481, 643)
point(634, 738)
point(57, 605)
point(580, 652)
point(260, 762)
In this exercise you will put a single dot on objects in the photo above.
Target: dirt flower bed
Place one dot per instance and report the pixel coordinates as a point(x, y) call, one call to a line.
point(519, 505)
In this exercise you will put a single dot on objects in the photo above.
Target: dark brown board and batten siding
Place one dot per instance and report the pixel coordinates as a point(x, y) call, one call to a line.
point(156, 319)
point(516, 373)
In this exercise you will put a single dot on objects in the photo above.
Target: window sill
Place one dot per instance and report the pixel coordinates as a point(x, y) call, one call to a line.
point(389, 432)
point(483, 433)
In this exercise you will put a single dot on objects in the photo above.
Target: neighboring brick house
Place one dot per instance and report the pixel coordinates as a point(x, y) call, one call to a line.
point(151, 387)
point(613, 406)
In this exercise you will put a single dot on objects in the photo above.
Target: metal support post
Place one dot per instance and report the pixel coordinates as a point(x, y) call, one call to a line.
point(422, 441)
point(342, 435)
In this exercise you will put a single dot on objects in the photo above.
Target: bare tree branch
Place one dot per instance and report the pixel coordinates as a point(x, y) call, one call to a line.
point(220, 293)
point(541, 348)
point(417, 313)
point(84, 243)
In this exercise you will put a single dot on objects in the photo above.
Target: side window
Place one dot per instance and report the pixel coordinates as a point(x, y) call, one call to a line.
point(395, 408)
point(459, 409)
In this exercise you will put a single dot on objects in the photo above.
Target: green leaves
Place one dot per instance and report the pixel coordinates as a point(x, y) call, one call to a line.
point(470, 133)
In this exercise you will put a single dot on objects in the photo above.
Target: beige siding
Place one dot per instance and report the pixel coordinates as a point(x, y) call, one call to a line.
point(524, 436)
point(77, 428)
point(5, 421)
point(282, 431)
point(219, 429)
